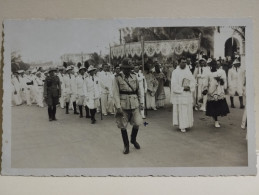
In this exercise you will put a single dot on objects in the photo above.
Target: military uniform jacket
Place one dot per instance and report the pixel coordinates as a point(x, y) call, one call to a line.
point(126, 91)
point(52, 88)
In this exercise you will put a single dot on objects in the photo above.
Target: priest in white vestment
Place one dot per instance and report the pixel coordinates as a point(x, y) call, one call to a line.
point(182, 87)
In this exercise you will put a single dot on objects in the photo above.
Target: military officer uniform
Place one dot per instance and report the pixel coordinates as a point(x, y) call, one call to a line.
point(128, 100)
point(52, 93)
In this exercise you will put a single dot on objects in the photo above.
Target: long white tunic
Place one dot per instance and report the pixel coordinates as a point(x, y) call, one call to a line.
point(92, 91)
point(80, 80)
point(106, 80)
point(236, 81)
point(182, 100)
point(200, 74)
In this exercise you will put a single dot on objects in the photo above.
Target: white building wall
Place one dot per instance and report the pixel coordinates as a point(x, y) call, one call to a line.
point(220, 39)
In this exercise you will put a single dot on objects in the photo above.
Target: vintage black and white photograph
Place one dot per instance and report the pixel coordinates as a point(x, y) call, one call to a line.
point(128, 97)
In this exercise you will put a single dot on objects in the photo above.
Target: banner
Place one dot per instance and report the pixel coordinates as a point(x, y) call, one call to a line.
point(151, 48)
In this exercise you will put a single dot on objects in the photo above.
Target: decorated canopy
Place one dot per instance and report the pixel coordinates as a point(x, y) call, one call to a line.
point(165, 47)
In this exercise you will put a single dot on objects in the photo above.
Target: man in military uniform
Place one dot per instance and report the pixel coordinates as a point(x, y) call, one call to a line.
point(52, 93)
point(128, 102)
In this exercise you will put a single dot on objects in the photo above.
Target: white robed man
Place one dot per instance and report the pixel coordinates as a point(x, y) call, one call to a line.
point(34, 87)
point(236, 80)
point(28, 83)
point(39, 89)
point(17, 89)
point(73, 75)
point(182, 86)
point(92, 92)
point(106, 79)
point(61, 79)
point(80, 82)
point(200, 73)
point(67, 87)
point(142, 86)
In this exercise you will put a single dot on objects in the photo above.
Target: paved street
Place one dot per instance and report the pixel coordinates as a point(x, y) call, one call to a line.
point(72, 142)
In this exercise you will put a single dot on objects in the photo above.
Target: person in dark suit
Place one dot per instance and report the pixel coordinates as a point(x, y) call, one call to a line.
point(52, 93)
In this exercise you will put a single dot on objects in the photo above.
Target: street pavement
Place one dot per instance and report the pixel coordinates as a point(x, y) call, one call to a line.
point(73, 142)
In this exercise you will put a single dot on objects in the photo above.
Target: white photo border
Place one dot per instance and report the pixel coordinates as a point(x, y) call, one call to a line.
point(158, 171)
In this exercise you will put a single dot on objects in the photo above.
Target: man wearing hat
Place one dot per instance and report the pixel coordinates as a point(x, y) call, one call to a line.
point(92, 92)
point(105, 78)
point(128, 102)
point(236, 81)
point(80, 82)
point(200, 74)
point(52, 93)
point(70, 89)
point(61, 76)
point(39, 88)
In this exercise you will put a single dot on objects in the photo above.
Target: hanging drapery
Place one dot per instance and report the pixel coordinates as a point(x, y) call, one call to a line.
point(151, 48)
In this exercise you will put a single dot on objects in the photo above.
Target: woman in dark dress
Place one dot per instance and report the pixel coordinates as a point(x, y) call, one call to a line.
point(52, 93)
point(215, 88)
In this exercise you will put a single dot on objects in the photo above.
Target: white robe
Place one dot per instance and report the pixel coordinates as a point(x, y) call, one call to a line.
point(236, 81)
point(182, 100)
point(80, 81)
point(17, 89)
point(200, 75)
point(92, 91)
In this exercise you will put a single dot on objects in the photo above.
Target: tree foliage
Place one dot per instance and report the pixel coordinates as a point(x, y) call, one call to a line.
point(17, 63)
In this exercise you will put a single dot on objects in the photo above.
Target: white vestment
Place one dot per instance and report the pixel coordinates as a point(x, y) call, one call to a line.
point(182, 100)
point(236, 81)
point(92, 92)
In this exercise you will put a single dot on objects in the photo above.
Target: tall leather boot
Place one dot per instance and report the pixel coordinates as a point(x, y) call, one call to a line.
point(134, 133)
point(87, 112)
point(125, 141)
point(232, 102)
point(241, 102)
point(81, 111)
point(54, 109)
point(93, 111)
point(67, 107)
point(50, 113)
point(74, 106)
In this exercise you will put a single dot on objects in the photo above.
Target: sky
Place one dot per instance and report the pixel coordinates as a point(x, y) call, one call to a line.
point(47, 40)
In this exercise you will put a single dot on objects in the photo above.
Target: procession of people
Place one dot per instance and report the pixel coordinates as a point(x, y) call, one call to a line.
point(127, 90)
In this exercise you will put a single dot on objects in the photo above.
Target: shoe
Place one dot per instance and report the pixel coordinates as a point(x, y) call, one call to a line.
point(183, 130)
point(126, 150)
point(87, 116)
point(203, 109)
point(93, 121)
point(232, 106)
point(154, 109)
point(243, 126)
point(81, 116)
point(125, 141)
point(54, 119)
point(105, 114)
point(76, 113)
point(242, 107)
point(50, 119)
point(217, 124)
point(136, 144)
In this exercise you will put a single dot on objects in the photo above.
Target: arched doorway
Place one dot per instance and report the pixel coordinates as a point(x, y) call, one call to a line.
point(231, 46)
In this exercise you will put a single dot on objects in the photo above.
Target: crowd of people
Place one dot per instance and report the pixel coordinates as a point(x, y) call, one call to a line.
point(126, 91)
point(202, 85)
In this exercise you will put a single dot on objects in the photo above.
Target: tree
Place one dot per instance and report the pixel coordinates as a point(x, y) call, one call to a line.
point(17, 63)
